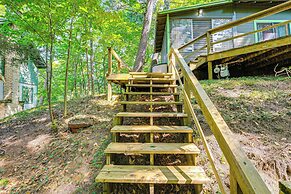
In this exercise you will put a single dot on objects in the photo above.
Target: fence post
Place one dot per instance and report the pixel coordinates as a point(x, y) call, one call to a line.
point(208, 40)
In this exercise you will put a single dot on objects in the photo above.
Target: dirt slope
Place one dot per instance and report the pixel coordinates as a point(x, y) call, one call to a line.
point(256, 109)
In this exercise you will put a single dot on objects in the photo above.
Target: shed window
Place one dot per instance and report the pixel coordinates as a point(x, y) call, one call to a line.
point(271, 33)
point(181, 33)
point(27, 95)
point(1, 65)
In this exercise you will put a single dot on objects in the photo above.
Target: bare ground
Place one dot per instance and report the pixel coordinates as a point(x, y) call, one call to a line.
point(256, 109)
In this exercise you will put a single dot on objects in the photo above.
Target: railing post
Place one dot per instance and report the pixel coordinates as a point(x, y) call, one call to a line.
point(109, 85)
point(209, 50)
point(187, 121)
point(118, 66)
point(109, 61)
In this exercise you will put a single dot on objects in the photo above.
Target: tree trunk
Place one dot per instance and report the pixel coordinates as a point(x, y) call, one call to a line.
point(104, 73)
point(45, 84)
point(92, 67)
point(50, 75)
point(88, 71)
point(67, 69)
point(140, 57)
point(166, 4)
point(75, 77)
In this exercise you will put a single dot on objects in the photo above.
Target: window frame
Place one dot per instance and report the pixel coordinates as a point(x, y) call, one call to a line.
point(256, 22)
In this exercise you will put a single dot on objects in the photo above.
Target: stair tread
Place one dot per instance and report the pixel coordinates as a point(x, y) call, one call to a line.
point(152, 85)
point(150, 129)
point(152, 174)
point(151, 78)
point(152, 148)
point(149, 103)
point(151, 93)
point(150, 114)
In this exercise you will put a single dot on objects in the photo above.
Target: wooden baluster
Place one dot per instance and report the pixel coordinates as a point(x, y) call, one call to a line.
point(209, 50)
point(234, 187)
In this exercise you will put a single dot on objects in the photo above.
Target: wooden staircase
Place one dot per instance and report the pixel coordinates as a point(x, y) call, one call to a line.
point(143, 99)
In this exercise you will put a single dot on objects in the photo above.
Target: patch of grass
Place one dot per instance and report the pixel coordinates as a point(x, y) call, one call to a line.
point(4, 182)
point(24, 115)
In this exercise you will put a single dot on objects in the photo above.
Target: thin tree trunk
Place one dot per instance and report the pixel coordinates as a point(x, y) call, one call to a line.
point(83, 85)
point(67, 69)
point(88, 71)
point(50, 73)
point(140, 57)
point(45, 84)
point(166, 4)
point(104, 73)
point(75, 78)
point(92, 67)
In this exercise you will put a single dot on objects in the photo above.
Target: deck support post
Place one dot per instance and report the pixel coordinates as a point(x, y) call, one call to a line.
point(152, 189)
point(210, 70)
point(109, 92)
point(209, 51)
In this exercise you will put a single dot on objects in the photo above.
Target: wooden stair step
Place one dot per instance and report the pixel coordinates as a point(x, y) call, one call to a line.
point(150, 129)
point(152, 174)
point(152, 93)
point(150, 79)
point(149, 103)
point(152, 148)
point(152, 85)
point(146, 74)
point(151, 114)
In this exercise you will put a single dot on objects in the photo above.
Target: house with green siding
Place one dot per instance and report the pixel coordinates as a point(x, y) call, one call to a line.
point(18, 83)
point(176, 27)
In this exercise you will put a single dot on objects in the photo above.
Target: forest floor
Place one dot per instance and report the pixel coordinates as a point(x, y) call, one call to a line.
point(256, 109)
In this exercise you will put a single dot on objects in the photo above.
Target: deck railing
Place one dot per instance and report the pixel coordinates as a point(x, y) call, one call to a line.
point(120, 66)
point(243, 175)
point(207, 37)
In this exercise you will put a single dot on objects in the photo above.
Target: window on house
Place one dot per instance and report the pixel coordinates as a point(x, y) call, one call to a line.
point(181, 33)
point(271, 33)
point(1, 66)
point(27, 95)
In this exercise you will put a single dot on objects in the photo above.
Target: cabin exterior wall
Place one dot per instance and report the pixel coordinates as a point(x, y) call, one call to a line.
point(205, 18)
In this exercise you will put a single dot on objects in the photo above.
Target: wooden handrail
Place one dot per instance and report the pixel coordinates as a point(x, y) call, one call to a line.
point(192, 41)
point(120, 63)
point(198, 126)
point(252, 32)
point(244, 175)
point(267, 12)
point(271, 11)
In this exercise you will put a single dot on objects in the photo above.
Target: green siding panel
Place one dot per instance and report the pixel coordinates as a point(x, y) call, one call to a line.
point(28, 74)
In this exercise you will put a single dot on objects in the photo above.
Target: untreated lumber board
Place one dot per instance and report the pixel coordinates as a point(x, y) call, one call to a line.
point(118, 77)
point(152, 85)
point(152, 148)
point(285, 187)
point(150, 129)
point(150, 114)
point(244, 171)
point(152, 93)
point(150, 79)
point(152, 174)
point(270, 44)
point(149, 103)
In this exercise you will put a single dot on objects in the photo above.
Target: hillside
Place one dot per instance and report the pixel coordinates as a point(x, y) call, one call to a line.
point(256, 109)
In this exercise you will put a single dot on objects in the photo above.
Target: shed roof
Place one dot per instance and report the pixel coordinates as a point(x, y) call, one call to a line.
point(161, 17)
